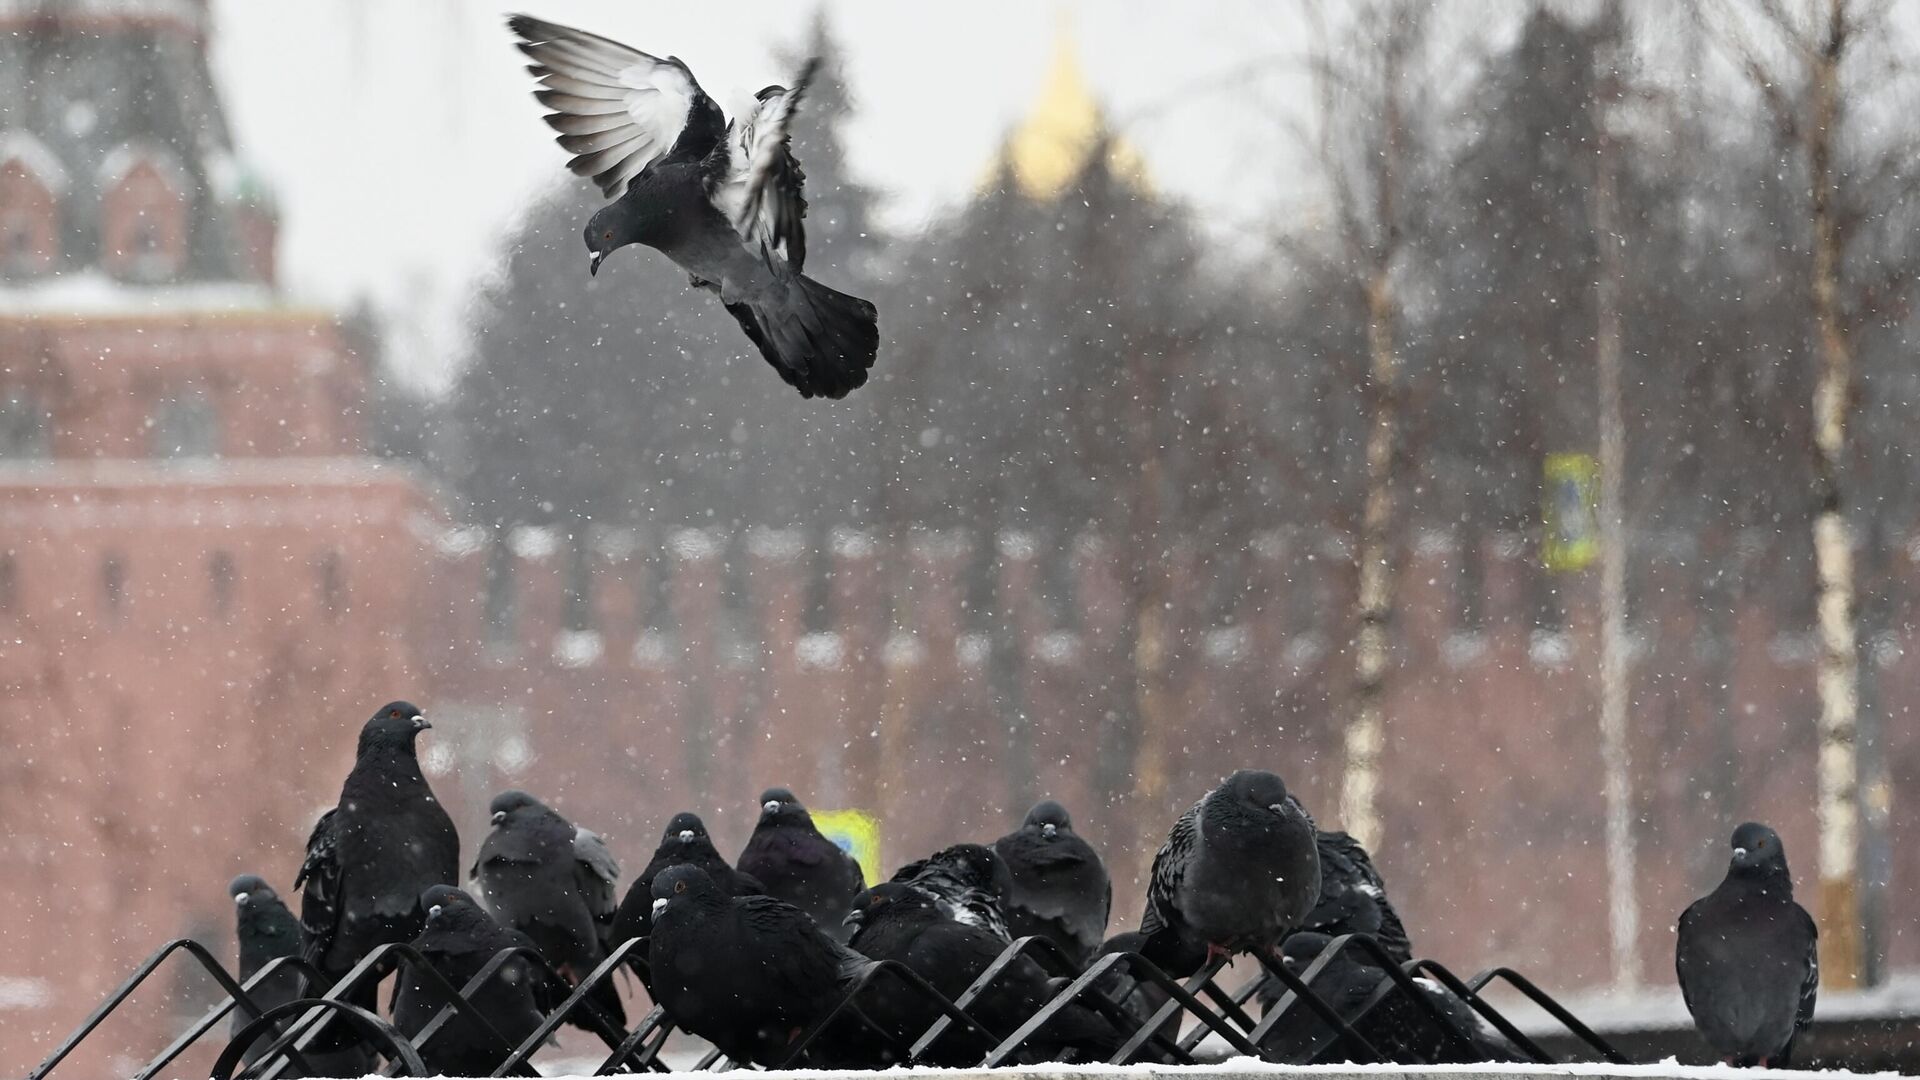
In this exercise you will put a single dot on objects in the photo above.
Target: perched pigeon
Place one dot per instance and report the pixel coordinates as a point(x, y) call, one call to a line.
point(459, 939)
point(1239, 870)
point(1748, 956)
point(722, 200)
point(1380, 1012)
point(1353, 898)
point(967, 882)
point(685, 843)
point(794, 863)
point(749, 974)
point(897, 921)
point(267, 931)
point(370, 858)
point(1060, 888)
point(540, 874)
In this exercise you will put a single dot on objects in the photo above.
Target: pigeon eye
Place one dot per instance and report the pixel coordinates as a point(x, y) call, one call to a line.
point(607, 236)
point(679, 886)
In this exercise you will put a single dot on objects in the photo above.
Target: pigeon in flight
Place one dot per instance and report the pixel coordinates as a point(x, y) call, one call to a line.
point(1748, 956)
point(790, 858)
point(1060, 889)
point(459, 939)
point(1240, 869)
point(553, 881)
point(267, 931)
point(721, 199)
point(685, 843)
point(370, 858)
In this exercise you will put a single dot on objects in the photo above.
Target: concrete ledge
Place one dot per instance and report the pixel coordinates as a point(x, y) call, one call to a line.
point(1244, 1069)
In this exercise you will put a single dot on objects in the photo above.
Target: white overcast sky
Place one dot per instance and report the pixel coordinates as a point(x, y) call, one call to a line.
point(402, 140)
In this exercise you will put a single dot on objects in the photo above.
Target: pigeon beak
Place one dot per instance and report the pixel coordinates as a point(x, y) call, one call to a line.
point(242, 899)
point(1278, 808)
point(420, 723)
point(1739, 853)
point(855, 918)
point(771, 806)
point(593, 263)
point(686, 836)
point(659, 904)
point(434, 912)
point(499, 817)
point(1050, 830)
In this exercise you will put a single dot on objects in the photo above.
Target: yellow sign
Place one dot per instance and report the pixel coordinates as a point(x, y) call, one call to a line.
point(1568, 502)
point(858, 834)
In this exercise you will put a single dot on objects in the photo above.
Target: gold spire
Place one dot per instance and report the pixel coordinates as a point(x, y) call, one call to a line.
point(1049, 148)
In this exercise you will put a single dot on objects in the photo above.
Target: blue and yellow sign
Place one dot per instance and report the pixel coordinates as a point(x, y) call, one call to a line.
point(858, 834)
point(1569, 499)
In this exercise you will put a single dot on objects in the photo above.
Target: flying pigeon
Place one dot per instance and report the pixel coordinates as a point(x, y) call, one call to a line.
point(790, 858)
point(1060, 889)
point(459, 939)
point(749, 974)
point(721, 199)
point(1748, 956)
point(267, 931)
point(896, 921)
point(1240, 869)
point(370, 858)
point(553, 881)
point(967, 882)
point(685, 843)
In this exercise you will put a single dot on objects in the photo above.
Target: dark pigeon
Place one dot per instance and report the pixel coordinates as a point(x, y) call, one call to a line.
point(1353, 898)
point(459, 939)
point(794, 863)
point(1060, 889)
point(685, 843)
point(1240, 869)
point(968, 882)
point(1748, 956)
point(540, 874)
point(370, 858)
point(722, 200)
point(898, 922)
point(749, 974)
point(267, 931)
point(1380, 1012)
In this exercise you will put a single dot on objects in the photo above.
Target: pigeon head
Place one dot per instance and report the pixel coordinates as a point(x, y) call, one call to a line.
point(683, 884)
point(507, 802)
point(250, 890)
point(685, 828)
point(1757, 852)
point(779, 807)
point(1257, 790)
point(445, 902)
point(1049, 818)
point(894, 899)
point(394, 726)
point(976, 866)
point(1299, 950)
point(611, 228)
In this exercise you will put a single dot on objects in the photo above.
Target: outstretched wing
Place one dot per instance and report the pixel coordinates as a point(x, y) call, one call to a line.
point(320, 900)
point(761, 190)
point(618, 110)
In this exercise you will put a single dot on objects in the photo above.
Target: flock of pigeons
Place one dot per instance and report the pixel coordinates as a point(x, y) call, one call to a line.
point(749, 956)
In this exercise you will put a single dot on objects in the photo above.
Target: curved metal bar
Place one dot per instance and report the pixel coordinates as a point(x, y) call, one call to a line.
point(310, 977)
point(1554, 1008)
point(1368, 945)
point(655, 1021)
point(847, 1002)
point(611, 1033)
point(1298, 990)
point(1014, 951)
point(1480, 1005)
point(1141, 969)
point(375, 1029)
point(1191, 1040)
point(125, 990)
point(1197, 983)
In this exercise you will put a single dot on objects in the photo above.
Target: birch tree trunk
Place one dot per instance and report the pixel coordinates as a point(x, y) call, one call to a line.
point(1839, 671)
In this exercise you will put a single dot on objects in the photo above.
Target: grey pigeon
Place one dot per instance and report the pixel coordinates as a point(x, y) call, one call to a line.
point(267, 931)
point(794, 863)
point(459, 939)
point(1380, 1012)
point(685, 843)
point(370, 858)
point(1240, 869)
point(553, 881)
point(1353, 898)
point(1059, 887)
point(722, 200)
point(1748, 956)
point(749, 974)
point(896, 921)
point(967, 882)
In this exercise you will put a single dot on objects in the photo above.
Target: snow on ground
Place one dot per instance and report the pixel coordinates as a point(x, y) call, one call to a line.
point(1246, 1067)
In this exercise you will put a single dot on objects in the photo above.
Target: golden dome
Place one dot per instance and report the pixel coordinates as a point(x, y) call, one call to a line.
point(1048, 149)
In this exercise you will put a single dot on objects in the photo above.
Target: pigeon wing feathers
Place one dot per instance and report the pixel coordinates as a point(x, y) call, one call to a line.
point(598, 873)
point(618, 110)
point(761, 192)
point(320, 877)
point(1810, 985)
point(1169, 870)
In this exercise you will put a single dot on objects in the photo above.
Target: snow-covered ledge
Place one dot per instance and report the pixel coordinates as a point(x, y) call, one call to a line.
point(1246, 1069)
